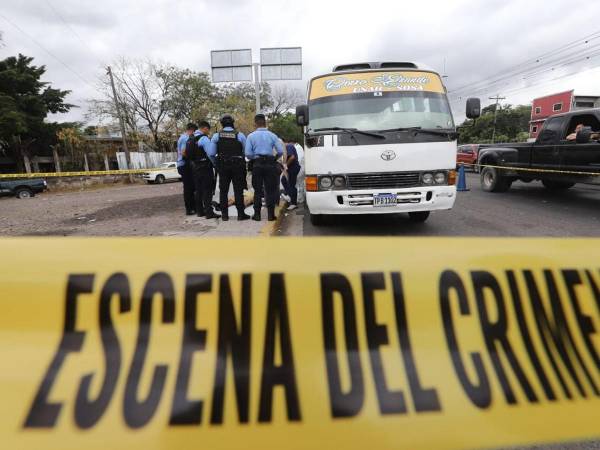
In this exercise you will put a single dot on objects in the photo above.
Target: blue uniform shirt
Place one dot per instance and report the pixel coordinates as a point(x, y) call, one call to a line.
point(215, 138)
point(181, 142)
point(261, 143)
point(291, 151)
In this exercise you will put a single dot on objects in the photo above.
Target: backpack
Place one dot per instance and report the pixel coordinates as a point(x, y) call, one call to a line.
point(193, 152)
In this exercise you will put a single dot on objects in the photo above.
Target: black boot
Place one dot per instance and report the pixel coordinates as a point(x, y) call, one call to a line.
point(212, 215)
point(271, 214)
point(190, 212)
point(224, 216)
point(256, 216)
point(242, 215)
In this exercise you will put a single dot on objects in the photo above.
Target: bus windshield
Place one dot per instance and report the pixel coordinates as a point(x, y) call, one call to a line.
point(379, 100)
point(382, 111)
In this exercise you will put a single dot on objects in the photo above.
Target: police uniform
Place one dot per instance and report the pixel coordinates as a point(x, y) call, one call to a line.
point(227, 146)
point(184, 168)
point(265, 171)
point(202, 168)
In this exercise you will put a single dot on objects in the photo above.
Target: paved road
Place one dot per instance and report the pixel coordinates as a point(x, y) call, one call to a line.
point(528, 209)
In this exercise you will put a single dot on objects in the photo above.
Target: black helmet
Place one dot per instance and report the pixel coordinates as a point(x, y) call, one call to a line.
point(227, 120)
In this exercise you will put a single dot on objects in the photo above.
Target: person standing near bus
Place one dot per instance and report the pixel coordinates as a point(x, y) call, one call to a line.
point(260, 146)
point(289, 179)
point(184, 168)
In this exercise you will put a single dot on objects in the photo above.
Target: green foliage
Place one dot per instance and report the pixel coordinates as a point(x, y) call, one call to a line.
point(25, 101)
point(512, 125)
point(285, 127)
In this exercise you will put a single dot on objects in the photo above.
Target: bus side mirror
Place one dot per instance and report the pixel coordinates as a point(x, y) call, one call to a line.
point(584, 136)
point(302, 115)
point(473, 108)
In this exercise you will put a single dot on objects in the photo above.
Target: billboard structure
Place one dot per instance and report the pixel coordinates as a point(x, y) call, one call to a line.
point(283, 63)
point(231, 65)
point(276, 64)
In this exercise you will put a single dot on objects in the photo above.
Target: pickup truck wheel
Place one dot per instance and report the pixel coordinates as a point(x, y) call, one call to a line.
point(418, 216)
point(492, 181)
point(160, 179)
point(24, 193)
point(557, 185)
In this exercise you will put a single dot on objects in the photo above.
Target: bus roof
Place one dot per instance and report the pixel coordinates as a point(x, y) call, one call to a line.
point(404, 65)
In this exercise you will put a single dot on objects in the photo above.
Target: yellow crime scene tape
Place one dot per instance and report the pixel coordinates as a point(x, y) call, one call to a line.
point(529, 169)
point(347, 343)
point(91, 173)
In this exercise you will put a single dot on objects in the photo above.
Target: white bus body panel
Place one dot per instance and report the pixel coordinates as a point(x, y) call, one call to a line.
point(367, 159)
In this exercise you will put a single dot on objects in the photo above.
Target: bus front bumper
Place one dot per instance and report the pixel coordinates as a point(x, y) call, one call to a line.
point(362, 201)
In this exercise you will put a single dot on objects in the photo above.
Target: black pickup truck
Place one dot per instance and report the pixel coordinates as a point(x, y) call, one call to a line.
point(551, 151)
point(22, 188)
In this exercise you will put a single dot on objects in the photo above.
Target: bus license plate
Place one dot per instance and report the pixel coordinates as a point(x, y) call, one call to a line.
point(384, 200)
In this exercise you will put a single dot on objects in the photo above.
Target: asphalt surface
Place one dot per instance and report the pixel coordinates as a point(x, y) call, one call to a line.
point(527, 209)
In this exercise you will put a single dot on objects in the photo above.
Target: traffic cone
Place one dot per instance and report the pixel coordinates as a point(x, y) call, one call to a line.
point(462, 180)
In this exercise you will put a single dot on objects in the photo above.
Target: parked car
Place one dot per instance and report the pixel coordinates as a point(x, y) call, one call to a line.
point(563, 155)
point(468, 154)
point(167, 172)
point(25, 188)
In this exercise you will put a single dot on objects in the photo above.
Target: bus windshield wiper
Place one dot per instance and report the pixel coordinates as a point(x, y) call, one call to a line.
point(436, 131)
point(351, 131)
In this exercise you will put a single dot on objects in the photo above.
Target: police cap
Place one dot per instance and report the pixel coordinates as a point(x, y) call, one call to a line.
point(227, 120)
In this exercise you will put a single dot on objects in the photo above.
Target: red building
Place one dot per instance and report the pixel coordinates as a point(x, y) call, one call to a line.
point(544, 107)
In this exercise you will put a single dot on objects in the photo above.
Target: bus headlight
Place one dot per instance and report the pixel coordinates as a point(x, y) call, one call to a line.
point(339, 182)
point(427, 178)
point(440, 178)
point(325, 182)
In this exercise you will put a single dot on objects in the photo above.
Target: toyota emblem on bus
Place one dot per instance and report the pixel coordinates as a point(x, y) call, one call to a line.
point(388, 155)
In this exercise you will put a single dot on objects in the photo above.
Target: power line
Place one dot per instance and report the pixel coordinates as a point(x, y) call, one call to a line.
point(68, 25)
point(534, 63)
point(77, 74)
point(542, 83)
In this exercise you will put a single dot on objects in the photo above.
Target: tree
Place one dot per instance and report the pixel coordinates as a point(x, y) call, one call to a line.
point(512, 125)
point(25, 101)
point(286, 128)
point(191, 95)
point(143, 88)
point(284, 99)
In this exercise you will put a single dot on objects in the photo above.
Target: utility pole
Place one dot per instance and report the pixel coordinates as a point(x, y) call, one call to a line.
point(497, 98)
point(257, 86)
point(121, 121)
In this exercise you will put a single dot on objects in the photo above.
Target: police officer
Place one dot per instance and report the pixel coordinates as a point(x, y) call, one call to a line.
point(265, 171)
point(202, 165)
point(227, 147)
point(184, 168)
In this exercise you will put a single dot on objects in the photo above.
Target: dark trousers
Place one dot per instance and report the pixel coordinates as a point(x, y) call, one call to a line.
point(189, 188)
point(232, 173)
point(265, 172)
point(289, 183)
point(204, 182)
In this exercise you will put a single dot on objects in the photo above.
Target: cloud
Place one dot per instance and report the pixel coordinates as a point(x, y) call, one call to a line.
point(476, 39)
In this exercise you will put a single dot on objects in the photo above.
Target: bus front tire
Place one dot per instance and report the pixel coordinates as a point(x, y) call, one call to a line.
point(317, 220)
point(418, 216)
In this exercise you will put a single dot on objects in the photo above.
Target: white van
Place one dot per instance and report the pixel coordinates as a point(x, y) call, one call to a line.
point(380, 139)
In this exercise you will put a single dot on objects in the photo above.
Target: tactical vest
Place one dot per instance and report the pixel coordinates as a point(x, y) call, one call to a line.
point(194, 152)
point(228, 146)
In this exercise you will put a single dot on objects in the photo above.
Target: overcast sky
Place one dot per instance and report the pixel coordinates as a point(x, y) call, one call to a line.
point(476, 38)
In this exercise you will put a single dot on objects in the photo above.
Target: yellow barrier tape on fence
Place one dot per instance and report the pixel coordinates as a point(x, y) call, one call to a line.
point(91, 173)
point(529, 169)
point(349, 343)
